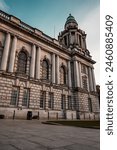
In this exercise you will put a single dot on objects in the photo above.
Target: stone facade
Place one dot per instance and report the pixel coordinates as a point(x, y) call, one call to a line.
point(52, 79)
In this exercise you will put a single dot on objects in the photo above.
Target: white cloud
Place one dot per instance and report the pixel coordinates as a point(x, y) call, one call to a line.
point(3, 5)
point(91, 25)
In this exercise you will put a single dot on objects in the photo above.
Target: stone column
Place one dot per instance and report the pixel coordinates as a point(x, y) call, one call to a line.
point(32, 66)
point(69, 74)
point(75, 38)
point(76, 74)
point(12, 54)
point(70, 38)
point(93, 78)
point(57, 69)
point(90, 79)
point(88, 84)
point(38, 63)
point(82, 44)
point(67, 39)
point(53, 68)
point(78, 39)
point(80, 77)
point(85, 43)
point(5, 52)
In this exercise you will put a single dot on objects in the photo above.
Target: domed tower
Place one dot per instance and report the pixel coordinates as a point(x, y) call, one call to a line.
point(72, 37)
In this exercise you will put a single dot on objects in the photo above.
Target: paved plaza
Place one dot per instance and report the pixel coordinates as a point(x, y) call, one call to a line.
point(32, 135)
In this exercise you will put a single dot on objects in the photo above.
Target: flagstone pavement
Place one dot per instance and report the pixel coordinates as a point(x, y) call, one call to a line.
point(33, 135)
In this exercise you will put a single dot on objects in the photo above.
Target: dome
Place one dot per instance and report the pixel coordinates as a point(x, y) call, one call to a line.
point(71, 22)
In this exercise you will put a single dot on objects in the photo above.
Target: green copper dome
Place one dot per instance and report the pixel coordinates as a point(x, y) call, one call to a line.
point(70, 18)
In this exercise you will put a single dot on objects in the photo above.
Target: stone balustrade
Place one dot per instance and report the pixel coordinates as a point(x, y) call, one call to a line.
point(4, 15)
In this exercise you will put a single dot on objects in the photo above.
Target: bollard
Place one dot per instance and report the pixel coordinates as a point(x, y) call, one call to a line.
point(94, 116)
point(57, 116)
point(89, 117)
point(48, 115)
point(84, 116)
point(72, 116)
point(38, 116)
point(13, 114)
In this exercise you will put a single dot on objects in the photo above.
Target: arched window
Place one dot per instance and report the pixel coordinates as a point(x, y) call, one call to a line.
point(45, 70)
point(22, 62)
point(62, 75)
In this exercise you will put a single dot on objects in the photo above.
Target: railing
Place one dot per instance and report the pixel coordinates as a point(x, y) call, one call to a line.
point(22, 24)
point(47, 37)
point(26, 26)
point(4, 15)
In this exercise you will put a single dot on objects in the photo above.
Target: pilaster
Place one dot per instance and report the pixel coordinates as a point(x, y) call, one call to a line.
point(5, 52)
point(32, 66)
point(12, 54)
point(38, 63)
point(53, 68)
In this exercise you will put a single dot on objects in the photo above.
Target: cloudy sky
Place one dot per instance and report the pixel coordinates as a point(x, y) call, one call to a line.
point(50, 16)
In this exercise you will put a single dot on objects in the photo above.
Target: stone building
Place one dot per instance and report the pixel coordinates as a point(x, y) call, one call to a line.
point(46, 77)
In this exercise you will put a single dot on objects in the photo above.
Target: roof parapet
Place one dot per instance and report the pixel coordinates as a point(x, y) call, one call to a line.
point(15, 20)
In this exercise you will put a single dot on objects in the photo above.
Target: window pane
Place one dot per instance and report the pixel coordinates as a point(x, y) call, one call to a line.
point(69, 103)
point(83, 69)
point(90, 104)
point(22, 62)
point(14, 96)
point(63, 102)
point(62, 75)
point(84, 82)
point(42, 99)
point(51, 101)
point(25, 97)
point(45, 70)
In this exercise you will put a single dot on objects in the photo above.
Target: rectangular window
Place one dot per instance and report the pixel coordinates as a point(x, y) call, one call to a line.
point(90, 104)
point(80, 43)
point(42, 99)
point(25, 100)
point(51, 101)
point(72, 74)
point(84, 69)
point(65, 39)
point(74, 103)
point(14, 96)
point(69, 103)
point(63, 105)
point(84, 83)
point(73, 37)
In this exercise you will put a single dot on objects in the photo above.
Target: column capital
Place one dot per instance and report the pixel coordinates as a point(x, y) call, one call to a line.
point(7, 32)
point(33, 44)
point(15, 36)
point(52, 53)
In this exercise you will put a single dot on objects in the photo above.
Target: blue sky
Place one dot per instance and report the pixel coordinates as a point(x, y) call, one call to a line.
point(50, 16)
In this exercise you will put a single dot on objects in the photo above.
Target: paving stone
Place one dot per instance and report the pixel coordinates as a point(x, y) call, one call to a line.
point(32, 135)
